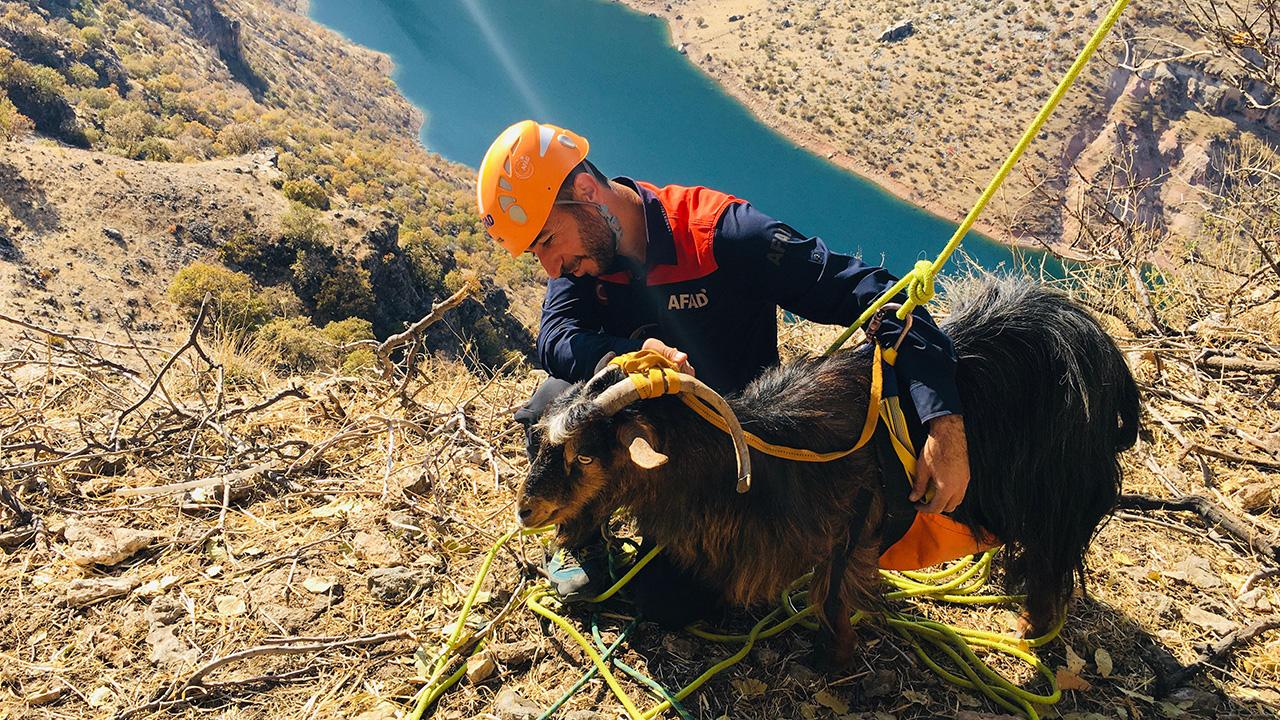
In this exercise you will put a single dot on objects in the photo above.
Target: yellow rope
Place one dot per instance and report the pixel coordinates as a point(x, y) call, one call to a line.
point(801, 454)
point(919, 282)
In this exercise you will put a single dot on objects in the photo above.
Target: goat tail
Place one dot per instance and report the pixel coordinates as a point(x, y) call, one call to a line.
point(1048, 403)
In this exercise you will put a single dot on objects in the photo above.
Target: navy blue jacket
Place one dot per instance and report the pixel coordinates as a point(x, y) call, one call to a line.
point(716, 270)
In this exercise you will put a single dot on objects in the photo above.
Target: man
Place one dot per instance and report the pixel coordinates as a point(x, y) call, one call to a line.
point(696, 275)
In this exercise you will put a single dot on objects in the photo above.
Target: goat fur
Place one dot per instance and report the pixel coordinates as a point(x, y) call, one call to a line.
point(1048, 404)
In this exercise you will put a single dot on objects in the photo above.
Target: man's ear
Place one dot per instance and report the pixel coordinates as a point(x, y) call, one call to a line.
point(586, 188)
point(639, 439)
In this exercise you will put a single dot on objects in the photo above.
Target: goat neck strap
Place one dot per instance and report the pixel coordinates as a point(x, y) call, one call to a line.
point(800, 454)
point(651, 372)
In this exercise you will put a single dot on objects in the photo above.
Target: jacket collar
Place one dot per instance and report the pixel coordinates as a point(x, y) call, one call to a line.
point(660, 242)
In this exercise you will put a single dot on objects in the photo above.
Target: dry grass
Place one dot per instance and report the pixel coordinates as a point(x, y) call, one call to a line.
point(351, 478)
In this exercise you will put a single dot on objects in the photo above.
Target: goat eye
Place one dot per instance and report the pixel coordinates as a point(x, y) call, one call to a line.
point(585, 459)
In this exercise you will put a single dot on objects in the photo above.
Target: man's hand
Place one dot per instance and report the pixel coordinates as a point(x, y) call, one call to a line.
point(681, 359)
point(942, 470)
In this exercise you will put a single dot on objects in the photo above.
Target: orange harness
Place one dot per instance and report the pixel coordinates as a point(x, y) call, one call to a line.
point(932, 538)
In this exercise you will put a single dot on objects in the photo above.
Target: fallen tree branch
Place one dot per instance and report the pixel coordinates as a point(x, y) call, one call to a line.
point(195, 687)
point(1224, 363)
point(1210, 513)
point(383, 350)
point(192, 342)
point(196, 680)
point(1214, 655)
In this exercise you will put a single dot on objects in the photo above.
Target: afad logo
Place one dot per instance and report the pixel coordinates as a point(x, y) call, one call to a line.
point(523, 168)
point(684, 301)
point(487, 220)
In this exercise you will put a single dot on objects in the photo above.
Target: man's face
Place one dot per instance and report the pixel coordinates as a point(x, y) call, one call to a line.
point(575, 241)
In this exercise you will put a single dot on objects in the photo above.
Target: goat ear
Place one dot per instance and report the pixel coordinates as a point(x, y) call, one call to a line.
point(639, 439)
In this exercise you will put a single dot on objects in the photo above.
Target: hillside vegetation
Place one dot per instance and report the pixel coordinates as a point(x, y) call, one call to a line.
point(1178, 85)
point(349, 216)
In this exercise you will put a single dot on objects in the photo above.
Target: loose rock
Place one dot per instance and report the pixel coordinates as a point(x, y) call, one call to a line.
point(170, 650)
point(80, 593)
point(511, 704)
point(91, 544)
point(392, 585)
point(894, 33)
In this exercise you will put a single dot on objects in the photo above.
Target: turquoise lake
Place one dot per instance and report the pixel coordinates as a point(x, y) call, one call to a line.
point(475, 66)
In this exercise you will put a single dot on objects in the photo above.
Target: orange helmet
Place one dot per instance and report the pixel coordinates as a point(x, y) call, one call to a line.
point(519, 178)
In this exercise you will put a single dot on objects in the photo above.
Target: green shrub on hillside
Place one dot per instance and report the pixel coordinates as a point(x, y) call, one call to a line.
point(357, 360)
point(296, 344)
point(239, 138)
point(264, 256)
point(234, 299)
point(345, 332)
point(300, 346)
point(308, 192)
point(13, 124)
point(344, 292)
point(152, 148)
point(301, 228)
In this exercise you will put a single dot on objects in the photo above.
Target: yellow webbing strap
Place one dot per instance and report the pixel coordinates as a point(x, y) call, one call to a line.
point(655, 375)
point(896, 422)
point(651, 372)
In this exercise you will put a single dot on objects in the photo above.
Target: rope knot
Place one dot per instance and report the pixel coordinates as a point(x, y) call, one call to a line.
point(920, 291)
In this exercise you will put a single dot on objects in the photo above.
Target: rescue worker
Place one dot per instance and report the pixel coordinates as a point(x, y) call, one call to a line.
point(696, 275)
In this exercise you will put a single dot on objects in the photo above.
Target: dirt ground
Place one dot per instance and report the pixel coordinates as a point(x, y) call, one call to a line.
point(246, 545)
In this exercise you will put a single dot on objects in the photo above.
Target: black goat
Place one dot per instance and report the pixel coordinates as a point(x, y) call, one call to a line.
point(1048, 402)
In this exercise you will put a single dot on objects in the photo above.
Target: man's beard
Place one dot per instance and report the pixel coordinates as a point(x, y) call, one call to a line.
point(598, 244)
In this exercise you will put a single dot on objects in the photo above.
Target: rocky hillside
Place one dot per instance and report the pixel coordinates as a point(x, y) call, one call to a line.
point(927, 98)
point(149, 135)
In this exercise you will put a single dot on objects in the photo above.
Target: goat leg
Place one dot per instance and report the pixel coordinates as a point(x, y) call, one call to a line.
point(846, 580)
point(836, 638)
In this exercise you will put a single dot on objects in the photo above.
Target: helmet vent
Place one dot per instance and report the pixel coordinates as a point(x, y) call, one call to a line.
point(505, 184)
point(545, 134)
point(517, 215)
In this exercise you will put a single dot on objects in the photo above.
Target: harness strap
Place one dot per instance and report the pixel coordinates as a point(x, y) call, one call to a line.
point(801, 454)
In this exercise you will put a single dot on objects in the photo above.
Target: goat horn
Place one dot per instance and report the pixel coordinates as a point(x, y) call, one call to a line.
point(624, 392)
point(699, 389)
point(617, 396)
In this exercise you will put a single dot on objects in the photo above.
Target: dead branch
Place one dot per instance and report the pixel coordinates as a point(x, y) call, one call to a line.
point(195, 682)
point(1212, 514)
point(191, 342)
point(1213, 656)
point(1128, 62)
point(1223, 363)
point(411, 333)
point(195, 687)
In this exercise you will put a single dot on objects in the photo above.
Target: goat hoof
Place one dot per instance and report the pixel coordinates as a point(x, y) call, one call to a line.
point(830, 660)
point(1030, 627)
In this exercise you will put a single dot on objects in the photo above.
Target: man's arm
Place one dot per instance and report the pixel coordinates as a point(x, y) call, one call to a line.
point(571, 339)
point(805, 277)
